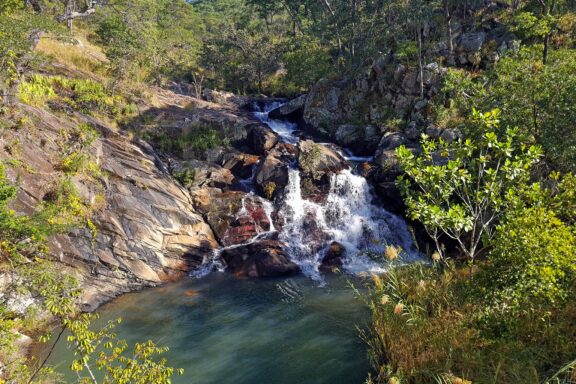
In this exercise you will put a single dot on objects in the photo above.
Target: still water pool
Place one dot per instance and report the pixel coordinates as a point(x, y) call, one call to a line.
point(225, 330)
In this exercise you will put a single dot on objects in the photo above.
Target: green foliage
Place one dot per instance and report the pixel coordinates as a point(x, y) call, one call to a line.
point(536, 98)
point(532, 262)
point(36, 93)
point(141, 366)
point(305, 65)
point(199, 141)
point(84, 95)
point(528, 25)
point(186, 177)
point(461, 189)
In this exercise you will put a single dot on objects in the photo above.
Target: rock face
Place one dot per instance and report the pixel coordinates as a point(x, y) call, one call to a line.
point(147, 231)
point(355, 113)
point(265, 258)
point(292, 110)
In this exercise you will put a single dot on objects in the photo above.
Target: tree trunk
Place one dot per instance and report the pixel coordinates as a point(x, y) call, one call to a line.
point(448, 15)
point(420, 64)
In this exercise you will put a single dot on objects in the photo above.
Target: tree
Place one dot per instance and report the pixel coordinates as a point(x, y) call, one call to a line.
point(532, 262)
point(460, 189)
point(20, 31)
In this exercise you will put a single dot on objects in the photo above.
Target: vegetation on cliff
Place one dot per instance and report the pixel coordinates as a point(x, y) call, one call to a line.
point(491, 84)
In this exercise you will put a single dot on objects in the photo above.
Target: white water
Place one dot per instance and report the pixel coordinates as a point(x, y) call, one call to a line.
point(349, 217)
point(284, 129)
point(213, 261)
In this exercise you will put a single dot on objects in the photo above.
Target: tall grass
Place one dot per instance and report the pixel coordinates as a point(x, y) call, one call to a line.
point(428, 326)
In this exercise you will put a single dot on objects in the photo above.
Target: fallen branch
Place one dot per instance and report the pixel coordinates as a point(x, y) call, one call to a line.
point(75, 15)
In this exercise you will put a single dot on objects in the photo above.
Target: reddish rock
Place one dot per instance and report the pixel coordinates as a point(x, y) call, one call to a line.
point(248, 223)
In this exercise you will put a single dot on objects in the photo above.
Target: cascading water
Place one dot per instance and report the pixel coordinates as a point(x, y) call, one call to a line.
point(348, 217)
point(214, 261)
point(284, 129)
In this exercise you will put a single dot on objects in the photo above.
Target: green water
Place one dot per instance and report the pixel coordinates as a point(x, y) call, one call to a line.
point(224, 330)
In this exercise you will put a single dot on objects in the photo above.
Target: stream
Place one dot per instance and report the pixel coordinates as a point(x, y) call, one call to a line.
point(299, 329)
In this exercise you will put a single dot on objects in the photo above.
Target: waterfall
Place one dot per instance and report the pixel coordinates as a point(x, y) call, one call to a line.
point(348, 217)
point(284, 129)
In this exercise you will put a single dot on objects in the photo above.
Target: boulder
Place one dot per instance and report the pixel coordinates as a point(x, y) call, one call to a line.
point(261, 139)
point(471, 42)
point(385, 154)
point(362, 140)
point(271, 170)
point(334, 256)
point(241, 165)
point(265, 258)
point(318, 160)
point(291, 110)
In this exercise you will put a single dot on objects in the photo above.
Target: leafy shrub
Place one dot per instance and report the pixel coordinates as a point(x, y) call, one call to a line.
point(36, 91)
point(186, 177)
point(532, 262)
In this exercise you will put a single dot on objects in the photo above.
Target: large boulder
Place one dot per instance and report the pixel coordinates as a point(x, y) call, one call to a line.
point(385, 154)
point(271, 175)
point(265, 258)
point(261, 139)
point(361, 139)
point(319, 160)
point(471, 42)
point(291, 110)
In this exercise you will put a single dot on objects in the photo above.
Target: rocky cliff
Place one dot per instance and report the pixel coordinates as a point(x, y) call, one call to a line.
point(388, 103)
point(148, 227)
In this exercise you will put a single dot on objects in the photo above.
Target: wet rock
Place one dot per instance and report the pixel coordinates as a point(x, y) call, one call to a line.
point(261, 139)
point(334, 256)
point(291, 110)
point(265, 258)
point(250, 221)
point(272, 173)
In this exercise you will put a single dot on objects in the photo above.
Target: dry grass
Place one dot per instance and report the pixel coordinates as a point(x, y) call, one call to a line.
point(426, 327)
point(83, 56)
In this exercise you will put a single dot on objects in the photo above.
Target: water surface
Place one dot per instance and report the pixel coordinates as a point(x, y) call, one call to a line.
point(225, 330)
